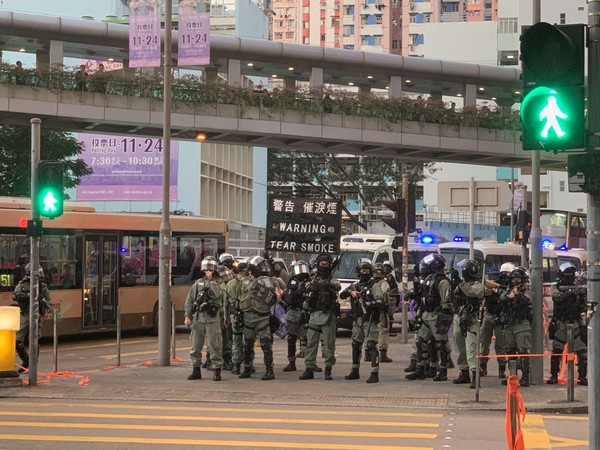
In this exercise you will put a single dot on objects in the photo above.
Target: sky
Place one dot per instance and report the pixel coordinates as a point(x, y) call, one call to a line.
point(98, 9)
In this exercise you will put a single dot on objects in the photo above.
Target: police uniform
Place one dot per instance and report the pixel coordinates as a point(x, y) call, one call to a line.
point(369, 301)
point(203, 309)
point(21, 296)
point(236, 319)
point(385, 323)
point(570, 302)
point(322, 307)
point(516, 316)
point(294, 298)
point(432, 337)
point(258, 293)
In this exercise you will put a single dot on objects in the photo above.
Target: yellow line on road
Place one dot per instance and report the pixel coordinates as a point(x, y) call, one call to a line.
point(150, 352)
point(219, 429)
point(560, 442)
point(237, 409)
point(535, 434)
point(565, 417)
point(220, 419)
point(220, 443)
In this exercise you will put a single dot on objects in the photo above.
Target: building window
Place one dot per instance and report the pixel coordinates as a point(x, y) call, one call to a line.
point(348, 10)
point(306, 40)
point(279, 23)
point(563, 18)
point(379, 20)
point(289, 35)
point(278, 36)
point(290, 23)
point(561, 186)
point(348, 47)
point(394, 44)
point(508, 26)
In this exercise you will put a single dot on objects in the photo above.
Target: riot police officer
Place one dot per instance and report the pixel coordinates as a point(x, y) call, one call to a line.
point(21, 296)
point(368, 297)
point(432, 336)
point(516, 319)
point(228, 261)
point(468, 294)
point(258, 293)
point(203, 310)
point(570, 302)
point(322, 308)
point(236, 316)
point(385, 323)
point(294, 298)
point(491, 320)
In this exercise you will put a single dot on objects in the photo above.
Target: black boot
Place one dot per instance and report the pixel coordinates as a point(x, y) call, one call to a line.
point(582, 368)
point(227, 362)
point(291, 367)
point(473, 384)
point(450, 363)
point(502, 370)
point(463, 378)
point(430, 372)
point(247, 373)
point(217, 375)
point(236, 369)
point(22, 352)
point(327, 373)
point(412, 366)
point(373, 378)
point(308, 374)
point(318, 369)
point(442, 375)
point(269, 374)
point(554, 369)
point(524, 380)
point(353, 375)
point(195, 375)
point(383, 357)
point(418, 374)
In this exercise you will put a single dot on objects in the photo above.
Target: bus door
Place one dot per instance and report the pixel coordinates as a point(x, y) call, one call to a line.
point(100, 281)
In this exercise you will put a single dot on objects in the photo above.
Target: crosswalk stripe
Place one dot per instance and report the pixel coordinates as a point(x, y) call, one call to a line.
point(213, 442)
point(236, 410)
point(38, 424)
point(216, 418)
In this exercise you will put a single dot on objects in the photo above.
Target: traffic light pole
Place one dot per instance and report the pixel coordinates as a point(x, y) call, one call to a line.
point(34, 257)
point(405, 259)
point(593, 225)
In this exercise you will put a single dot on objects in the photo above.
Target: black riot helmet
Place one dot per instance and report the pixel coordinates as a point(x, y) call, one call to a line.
point(388, 267)
point(378, 270)
point(255, 265)
point(300, 270)
point(468, 270)
point(518, 277)
point(323, 263)
point(432, 263)
point(364, 269)
point(566, 274)
point(227, 260)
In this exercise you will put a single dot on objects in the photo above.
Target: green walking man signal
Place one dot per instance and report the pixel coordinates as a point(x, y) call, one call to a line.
point(49, 198)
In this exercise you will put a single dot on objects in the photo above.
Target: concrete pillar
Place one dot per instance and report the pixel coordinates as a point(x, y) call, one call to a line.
point(56, 53)
point(42, 60)
point(470, 95)
point(364, 88)
point(210, 75)
point(395, 90)
point(234, 72)
point(436, 96)
point(316, 78)
point(289, 83)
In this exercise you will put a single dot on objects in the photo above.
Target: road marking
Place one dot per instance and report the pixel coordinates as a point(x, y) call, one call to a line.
point(221, 443)
point(560, 442)
point(150, 352)
point(535, 434)
point(238, 409)
point(565, 417)
point(220, 429)
point(216, 418)
point(66, 348)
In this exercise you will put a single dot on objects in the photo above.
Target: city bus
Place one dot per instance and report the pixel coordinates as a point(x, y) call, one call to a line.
point(94, 261)
point(563, 230)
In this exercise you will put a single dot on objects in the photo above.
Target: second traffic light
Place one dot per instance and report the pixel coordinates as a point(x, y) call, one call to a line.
point(396, 222)
point(49, 198)
point(553, 106)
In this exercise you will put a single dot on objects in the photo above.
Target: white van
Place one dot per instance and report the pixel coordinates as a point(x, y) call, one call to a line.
point(576, 256)
point(376, 248)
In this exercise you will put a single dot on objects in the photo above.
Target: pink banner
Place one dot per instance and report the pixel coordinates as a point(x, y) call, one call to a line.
point(194, 34)
point(144, 33)
point(125, 168)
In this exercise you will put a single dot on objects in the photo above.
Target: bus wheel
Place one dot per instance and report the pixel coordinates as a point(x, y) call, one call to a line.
point(155, 319)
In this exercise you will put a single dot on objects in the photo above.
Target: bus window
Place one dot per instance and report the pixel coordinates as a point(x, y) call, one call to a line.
point(550, 267)
point(57, 258)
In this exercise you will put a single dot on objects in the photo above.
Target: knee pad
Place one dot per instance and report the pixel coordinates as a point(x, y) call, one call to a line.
point(371, 346)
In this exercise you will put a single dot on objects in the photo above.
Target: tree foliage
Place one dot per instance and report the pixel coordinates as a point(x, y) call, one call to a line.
point(329, 175)
point(15, 158)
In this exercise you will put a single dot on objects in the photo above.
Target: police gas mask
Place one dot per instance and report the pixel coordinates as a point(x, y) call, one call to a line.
point(364, 274)
point(324, 268)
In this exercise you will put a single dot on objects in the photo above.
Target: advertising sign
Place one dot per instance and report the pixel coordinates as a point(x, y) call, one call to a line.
point(303, 225)
point(144, 33)
point(194, 34)
point(125, 168)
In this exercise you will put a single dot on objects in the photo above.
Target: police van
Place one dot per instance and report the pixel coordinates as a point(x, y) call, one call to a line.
point(576, 256)
point(377, 248)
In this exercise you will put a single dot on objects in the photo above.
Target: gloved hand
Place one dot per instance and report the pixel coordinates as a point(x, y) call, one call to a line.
point(187, 321)
point(304, 316)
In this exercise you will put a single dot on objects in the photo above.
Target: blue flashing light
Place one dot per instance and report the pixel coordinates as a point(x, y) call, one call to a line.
point(563, 247)
point(427, 239)
point(546, 243)
point(123, 250)
point(458, 239)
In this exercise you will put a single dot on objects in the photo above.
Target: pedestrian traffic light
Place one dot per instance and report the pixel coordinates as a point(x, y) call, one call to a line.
point(396, 222)
point(553, 106)
point(49, 197)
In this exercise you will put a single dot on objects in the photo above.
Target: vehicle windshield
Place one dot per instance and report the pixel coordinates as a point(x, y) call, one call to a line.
point(553, 223)
point(348, 260)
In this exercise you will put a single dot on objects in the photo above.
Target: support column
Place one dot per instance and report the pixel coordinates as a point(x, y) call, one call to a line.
point(395, 90)
point(316, 78)
point(289, 83)
point(364, 88)
point(210, 75)
point(56, 53)
point(470, 95)
point(234, 72)
point(42, 60)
